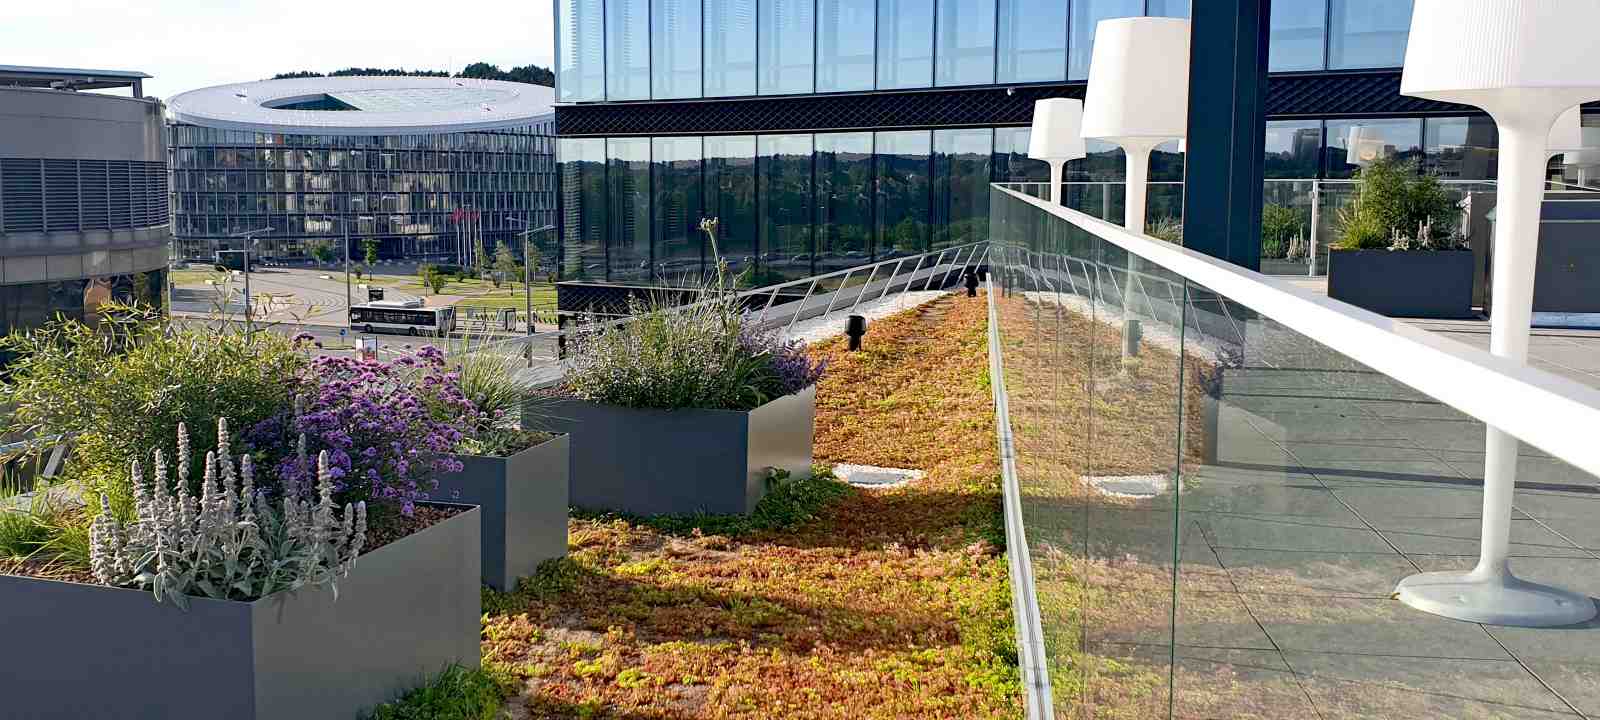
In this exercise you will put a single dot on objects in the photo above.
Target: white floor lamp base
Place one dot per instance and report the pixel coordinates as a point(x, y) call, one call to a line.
point(1501, 600)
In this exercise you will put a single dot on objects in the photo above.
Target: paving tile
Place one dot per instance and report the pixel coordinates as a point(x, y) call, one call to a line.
point(1410, 501)
point(1344, 686)
point(1461, 536)
point(1371, 575)
point(1367, 626)
point(1267, 532)
point(1299, 496)
point(1238, 684)
point(1577, 681)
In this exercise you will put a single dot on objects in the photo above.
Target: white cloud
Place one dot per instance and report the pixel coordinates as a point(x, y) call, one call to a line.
point(189, 44)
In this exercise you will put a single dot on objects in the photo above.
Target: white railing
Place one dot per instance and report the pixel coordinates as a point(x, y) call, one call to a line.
point(1552, 413)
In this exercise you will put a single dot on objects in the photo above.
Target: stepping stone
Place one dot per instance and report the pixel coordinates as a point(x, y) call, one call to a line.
point(1137, 487)
point(867, 476)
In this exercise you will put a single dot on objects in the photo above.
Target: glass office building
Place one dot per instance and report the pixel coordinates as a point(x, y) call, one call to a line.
point(412, 164)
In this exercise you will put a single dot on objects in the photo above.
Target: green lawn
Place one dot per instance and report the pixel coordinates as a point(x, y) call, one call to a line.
point(195, 277)
point(477, 293)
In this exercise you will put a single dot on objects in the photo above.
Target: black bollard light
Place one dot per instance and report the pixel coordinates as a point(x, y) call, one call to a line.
point(972, 282)
point(854, 329)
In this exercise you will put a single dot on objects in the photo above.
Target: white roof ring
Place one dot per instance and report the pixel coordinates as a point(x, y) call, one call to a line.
point(365, 105)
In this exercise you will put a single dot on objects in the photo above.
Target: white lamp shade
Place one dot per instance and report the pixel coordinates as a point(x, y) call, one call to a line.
point(1138, 80)
point(1568, 131)
point(1057, 130)
point(1365, 146)
point(1487, 52)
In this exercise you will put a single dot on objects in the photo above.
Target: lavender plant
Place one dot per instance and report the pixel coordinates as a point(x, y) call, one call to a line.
point(229, 543)
point(388, 429)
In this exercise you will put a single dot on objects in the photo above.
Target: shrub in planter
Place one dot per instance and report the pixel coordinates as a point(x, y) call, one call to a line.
point(220, 604)
point(684, 410)
point(1397, 252)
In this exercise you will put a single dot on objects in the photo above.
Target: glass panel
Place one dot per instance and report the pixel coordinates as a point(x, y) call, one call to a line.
point(730, 47)
point(730, 196)
point(1368, 33)
point(846, 31)
point(966, 43)
point(961, 170)
point(844, 200)
point(1169, 8)
point(1033, 41)
point(905, 43)
point(677, 187)
point(675, 48)
point(1085, 14)
point(1373, 139)
point(1463, 148)
point(582, 165)
point(1298, 30)
point(627, 49)
point(783, 169)
point(903, 192)
point(787, 50)
point(628, 252)
point(1292, 148)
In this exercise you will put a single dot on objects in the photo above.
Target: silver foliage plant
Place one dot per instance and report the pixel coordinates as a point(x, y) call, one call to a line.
point(230, 543)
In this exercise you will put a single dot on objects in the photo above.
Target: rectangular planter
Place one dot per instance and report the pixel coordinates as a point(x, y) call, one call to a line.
point(407, 610)
point(524, 503)
point(680, 462)
point(1410, 284)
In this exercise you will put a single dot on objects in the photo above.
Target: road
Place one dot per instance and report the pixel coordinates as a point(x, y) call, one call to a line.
point(294, 295)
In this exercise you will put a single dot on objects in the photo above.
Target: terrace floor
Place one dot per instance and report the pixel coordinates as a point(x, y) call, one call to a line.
point(1329, 484)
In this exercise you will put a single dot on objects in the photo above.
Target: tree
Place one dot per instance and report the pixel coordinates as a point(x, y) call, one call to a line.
point(370, 250)
point(321, 251)
point(505, 264)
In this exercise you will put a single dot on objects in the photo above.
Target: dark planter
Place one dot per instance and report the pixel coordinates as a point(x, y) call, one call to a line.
point(524, 503)
point(1411, 284)
point(406, 611)
point(680, 462)
point(1283, 266)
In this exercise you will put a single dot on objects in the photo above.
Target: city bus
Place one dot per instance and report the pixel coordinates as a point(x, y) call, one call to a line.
point(409, 317)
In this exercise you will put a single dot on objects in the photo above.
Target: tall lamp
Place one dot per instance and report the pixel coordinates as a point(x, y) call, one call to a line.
point(1057, 137)
point(1525, 62)
point(1365, 146)
point(1138, 95)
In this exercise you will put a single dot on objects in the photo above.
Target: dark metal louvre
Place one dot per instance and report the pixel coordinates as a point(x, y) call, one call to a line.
point(92, 189)
point(23, 187)
point(60, 195)
point(121, 192)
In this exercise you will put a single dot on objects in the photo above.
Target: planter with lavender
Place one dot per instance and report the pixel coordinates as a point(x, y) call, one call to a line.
point(219, 597)
point(683, 410)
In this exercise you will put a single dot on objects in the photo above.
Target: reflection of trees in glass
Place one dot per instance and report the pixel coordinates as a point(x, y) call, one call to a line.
point(844, 200)
point(678, 242)
point(583, 177)
point(903, 191)
point(783, 166)
point(730, 196)
point(962, 168)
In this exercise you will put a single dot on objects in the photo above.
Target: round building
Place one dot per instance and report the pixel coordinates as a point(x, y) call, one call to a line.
point(418, 168)
point(83, 194)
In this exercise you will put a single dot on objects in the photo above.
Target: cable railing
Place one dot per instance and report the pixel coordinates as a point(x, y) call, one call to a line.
point(1214, 479)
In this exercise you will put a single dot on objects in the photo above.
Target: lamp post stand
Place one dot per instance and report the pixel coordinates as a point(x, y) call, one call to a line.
point(1138, 186)
point(1490, 593)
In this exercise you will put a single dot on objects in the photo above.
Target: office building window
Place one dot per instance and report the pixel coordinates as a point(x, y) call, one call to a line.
point(730, 47)
point(628, 254)
point(965, 33)
point(1086, 14)
point(846, 30)
point(1032, 41)
point(627, 49)
point(675, 49)
point(1368, 33)
point(1168, 8)
point(1461, 148)
point(1354, 143)
point(679, 246)
point(843, 200)
point(730, 196)
point(1292, 149)
point(962, 166)
point(582, 167)
point(904, 185)
point(783, 169)
point(905, 43)
point(786, 49)
point(1298, 31)
point(581, 60)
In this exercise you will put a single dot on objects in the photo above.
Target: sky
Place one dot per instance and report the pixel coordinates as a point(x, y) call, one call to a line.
point(190, 44)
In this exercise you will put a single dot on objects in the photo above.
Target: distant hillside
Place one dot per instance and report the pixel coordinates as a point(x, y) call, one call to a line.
point(531, 74)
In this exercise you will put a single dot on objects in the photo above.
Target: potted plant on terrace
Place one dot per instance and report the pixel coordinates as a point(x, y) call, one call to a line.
point(246, 599)
point(1397, 253)
point(518, 477)
point(684, 410)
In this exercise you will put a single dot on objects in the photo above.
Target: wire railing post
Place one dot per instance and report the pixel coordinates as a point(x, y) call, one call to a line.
point(890, 282)
point(865, 286)
point(931, 270)
point(837, 292)
point(772, 295)
point(801, 308)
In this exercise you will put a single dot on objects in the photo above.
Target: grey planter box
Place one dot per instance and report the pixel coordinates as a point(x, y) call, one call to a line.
point(406, 611)
point(680, 462)
point(524, 502)
point(1411, 284)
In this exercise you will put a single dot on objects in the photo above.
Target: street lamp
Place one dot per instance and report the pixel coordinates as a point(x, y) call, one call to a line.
point(249, 244)
point(1525, 62)
point(1138, 95)
point(344, 226)
point(527, 272)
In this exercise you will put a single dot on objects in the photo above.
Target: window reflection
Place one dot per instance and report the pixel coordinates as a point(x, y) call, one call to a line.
point(675, 48)
point(1293, 148)
point(730, 196)
point(961, 170)
point(846, 30)
point(1032, 41)
point(1461, 148)
point(1297, 34)
point(1368, 33)
point(679, 244)
point(1353, 143)
point(905, 43)
point(903, 188)
point(628, 253)
point(627, 49)
point(966, 42)
point(730, 47)
point(783, 166)
point(787, 48)
point(1086, 14)
point(583, 187)
point(843, 200)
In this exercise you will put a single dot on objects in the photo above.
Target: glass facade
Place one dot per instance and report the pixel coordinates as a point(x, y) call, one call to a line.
point(1338, 34)
point(413, 194)
point(32, 305)
point(733, 48)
